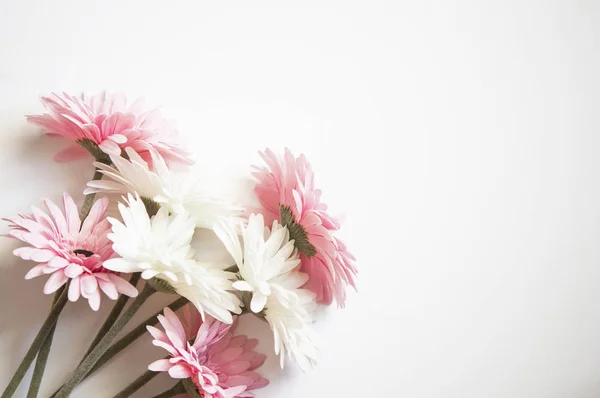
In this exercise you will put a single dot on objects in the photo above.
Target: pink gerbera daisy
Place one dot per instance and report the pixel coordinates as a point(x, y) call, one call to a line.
point(286, 190)
point(220, 365)
point(104, 124)
point(67, 249)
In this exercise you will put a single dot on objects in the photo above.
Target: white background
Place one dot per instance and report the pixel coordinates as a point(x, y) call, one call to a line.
point(459, 139)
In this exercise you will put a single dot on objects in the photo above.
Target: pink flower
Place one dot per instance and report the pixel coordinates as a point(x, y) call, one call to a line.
point(106, 121)
point(219, 364)
point(287, 193)
point(67, 249)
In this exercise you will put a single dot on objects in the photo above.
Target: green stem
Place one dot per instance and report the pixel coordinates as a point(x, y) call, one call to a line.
point(130, 337)
point(104, 344)
point(89, 199)
point(190, 388)
point(135, 334)
point(114, 314)
point(136, 384)
point(175, 390)
point(42, 357)
point(36, 345)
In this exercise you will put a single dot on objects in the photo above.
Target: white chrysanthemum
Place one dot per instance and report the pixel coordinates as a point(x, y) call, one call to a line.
point(153, 246)
point(159, 246)
point(208, 286)
point(268, 266)
point(290, 319)
point(179, 192)
point(268, 260)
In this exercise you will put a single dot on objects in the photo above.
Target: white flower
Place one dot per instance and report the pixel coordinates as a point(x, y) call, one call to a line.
point(208, 286)
point(160, 247)
point(153, 246)
point(268, 266)
point(179, 192)
point(267, 262)
point(290, 320)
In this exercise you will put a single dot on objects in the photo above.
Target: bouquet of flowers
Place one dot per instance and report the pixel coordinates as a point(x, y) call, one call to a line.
point(286, 256)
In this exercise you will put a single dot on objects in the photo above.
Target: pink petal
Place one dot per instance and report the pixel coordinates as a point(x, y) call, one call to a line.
point(96, 214)
point(74, 290)
point(55, 281)
point(175, 326)
point(258, 361)
point(118, 138)
point(156, 333)
point(35, 271)
point(72, 214)
point(110, 147)
point(58, 262)
point(73, 270)
point(237, 341)
point(36, 239)
point(89, 285)
point(123, 286)
point(228, 355)
point(58, 217)
point(260, 383)
point(72, 152)
point(94, 300)
point(250, 344)
point(180, 371)
point(109, 289)
point(239, 380)
point(165, 346)
point(31, 253)
point(162, 365)
point(234, 391)
point(234, 368)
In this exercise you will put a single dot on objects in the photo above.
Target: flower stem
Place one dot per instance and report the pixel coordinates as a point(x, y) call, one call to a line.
point(114, 314)
point(36, 345)
point(190, 388)
point(42, 357)
point(136, 384)
point(89, 199)
point(176, 389)
point(130, 337)
point(135, 334)
point(104, 344)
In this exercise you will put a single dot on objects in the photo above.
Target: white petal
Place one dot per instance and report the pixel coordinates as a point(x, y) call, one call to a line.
point(120, 265)
point(242, 286)
point(149, 274)
point(258, 302)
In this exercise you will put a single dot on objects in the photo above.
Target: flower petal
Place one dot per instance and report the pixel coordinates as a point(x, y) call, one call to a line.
point(162, 365)
point(123, 286)
point(120, 265)
point(180, 371)
point(74, 290)
point(56, 280)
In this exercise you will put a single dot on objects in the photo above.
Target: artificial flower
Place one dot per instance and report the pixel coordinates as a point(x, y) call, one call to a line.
point(208, 286)
point(220, 365)
point(178, 191)
point(290, 319)
point(159, 246)
point(68, 249)
point(268, 266)
point(153, 246)
point(267, 262)
point(107, 122)
point(287, 193)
